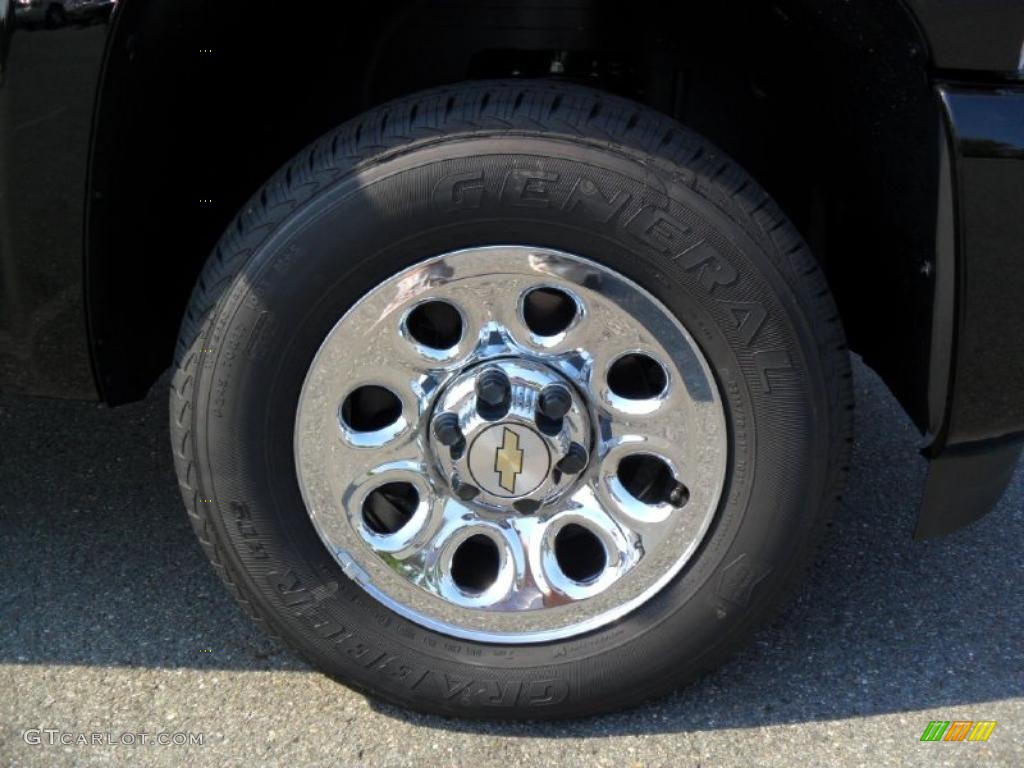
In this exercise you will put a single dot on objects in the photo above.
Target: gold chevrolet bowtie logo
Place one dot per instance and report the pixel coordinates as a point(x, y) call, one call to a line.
point(508, 460)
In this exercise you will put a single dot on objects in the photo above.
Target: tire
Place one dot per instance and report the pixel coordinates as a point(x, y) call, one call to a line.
point(429, 174)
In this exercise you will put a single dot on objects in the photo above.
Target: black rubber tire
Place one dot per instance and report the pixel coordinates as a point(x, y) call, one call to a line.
point(429, 174)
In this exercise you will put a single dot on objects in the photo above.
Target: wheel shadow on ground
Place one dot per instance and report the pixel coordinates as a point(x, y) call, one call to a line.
point(102, 569)
point(101, 562)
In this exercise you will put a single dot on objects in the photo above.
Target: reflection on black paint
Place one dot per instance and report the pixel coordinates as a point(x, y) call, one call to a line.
point(35, 15)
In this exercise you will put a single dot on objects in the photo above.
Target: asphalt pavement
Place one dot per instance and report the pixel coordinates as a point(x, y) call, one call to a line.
point(112, 623)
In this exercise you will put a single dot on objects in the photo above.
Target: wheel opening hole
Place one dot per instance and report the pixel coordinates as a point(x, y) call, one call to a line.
point(388, 508)
point(637, 377)
point(650, 480)
point(580, 553)
point(548, 311)
point(475, 564)
point(435, 324)
point(370, 408)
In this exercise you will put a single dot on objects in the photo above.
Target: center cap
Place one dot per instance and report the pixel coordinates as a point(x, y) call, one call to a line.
point(509, 460)
point(510, 434)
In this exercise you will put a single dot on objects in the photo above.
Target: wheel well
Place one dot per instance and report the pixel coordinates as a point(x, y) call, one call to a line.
point(202, 100)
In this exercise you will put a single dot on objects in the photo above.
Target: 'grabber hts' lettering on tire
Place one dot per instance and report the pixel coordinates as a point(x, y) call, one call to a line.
point(577, 270)
point(466, 692)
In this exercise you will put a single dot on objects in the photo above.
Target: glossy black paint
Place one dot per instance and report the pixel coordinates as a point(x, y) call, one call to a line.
point(986, 127)
point(981, 425)
point(127, 145)
point(985, 36)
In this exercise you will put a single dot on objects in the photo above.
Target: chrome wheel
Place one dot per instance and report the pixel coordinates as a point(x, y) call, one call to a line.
point(510, 444)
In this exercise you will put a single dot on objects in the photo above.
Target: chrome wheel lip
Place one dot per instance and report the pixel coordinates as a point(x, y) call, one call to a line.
point(574, 608)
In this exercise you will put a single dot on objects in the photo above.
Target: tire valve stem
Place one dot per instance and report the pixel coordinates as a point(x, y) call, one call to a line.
point(679, 495)
point(574, 460)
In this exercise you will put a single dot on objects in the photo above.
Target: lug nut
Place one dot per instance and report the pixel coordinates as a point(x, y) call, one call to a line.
point(573, 461)
point(464, 491)
point(526, 506)
point(459, 448)
point(555, 401)
point(446, 428)
point(492, 387)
